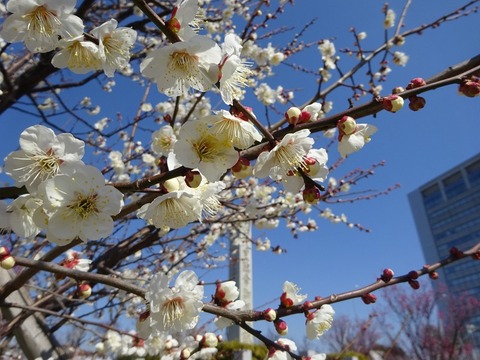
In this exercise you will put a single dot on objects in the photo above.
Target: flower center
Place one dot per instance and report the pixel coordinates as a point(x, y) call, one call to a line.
point(84, 206)
point(290, 157)
point(81, 57)
point(173, 310)
point(41, 20)
point(183, 61)
point(207, 148)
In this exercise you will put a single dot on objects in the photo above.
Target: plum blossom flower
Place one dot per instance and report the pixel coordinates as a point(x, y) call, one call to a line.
point(40, 23)
point(241, 132)
point(74, 261)
point(199, 148)
point(78, 55)
point(174, 209)
point(174, 308)
point(287, 155)
point(316, 169)
point(21, 215)
point(290, 295)
point(389, 19)
point(163, 140)
point(183, 65)
point(355, 141)
point(319, 321)
point(114, 45)
point(185, 19)
point(226, 295)
point(43, 155)
point(276, 354)
point(234, 71)
point(80, 205)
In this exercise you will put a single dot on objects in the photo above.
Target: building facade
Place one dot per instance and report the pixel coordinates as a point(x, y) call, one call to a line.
point(447, 214)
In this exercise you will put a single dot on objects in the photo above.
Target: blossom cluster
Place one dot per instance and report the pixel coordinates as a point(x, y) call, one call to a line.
point(66, 198)
point(46, 25)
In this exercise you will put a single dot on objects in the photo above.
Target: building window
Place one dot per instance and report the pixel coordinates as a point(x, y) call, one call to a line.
point(432, 196)
point(473, 173)
point(454, 185)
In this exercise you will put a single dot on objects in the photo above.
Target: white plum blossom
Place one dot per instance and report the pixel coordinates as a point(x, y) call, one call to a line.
point(40, 23)
point(78, 55)
point(175, 209)
point(178, 67)
point(287, 155)
point(114, 45)
point(400, 58)
point(290, 295)
point(80, 205)
point(314, 110)
point(198, 148)
point(265, 94)
point(327, 48)
point(185, 19)
point(226, 295)
point(319, 321)
point(354, 142)
point(174, 308)
point(163, 140)
point(21, 215)
point(316, 169)
point(234, 72)
point(240, 132)
point(389, 19)
point(43, 155)
point(276, 354)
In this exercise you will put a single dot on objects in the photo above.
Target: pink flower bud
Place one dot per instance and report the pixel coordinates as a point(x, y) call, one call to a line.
point(387, 275)
point(416, 103)
point(6, 260)
point(414, 284)
point(456, 253)
point(392, 103)
point(307, 305)
point(369, 298)
point(281, 327)
point(193, 178)
point(293, 115)
point(347, 125)
point(433, 275)
point(416, 83)
point(311, 195)
point(84, 290)
point(305, 117)
point(269, 314)
point(470, 88)
point(413, 275)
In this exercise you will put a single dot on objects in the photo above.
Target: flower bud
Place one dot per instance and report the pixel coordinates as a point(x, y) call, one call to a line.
point(397, 90)
point(269, 314)
point(416, 83)
point(414, 284)
point(470, 88)
point(171, 185)
point(413, 275)
point(242, 169)
point(311, 195)
point(209, 340)
point(456, 253)
point(84, 290)
point(416, 103)
point(193, 178)
point(293, 115)
point(433, 275)
point(347, 125)
point(387, 275)
point(6, 260)
point(185, 354)
point(392, 103)
point(369, 298)
point(281, 327)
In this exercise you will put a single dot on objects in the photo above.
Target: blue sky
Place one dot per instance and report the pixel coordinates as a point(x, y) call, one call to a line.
point(416, 146)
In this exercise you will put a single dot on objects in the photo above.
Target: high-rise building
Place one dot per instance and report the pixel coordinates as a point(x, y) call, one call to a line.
point(447, 214)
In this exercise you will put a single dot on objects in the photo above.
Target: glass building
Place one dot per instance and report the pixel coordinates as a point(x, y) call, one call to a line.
point(447, 214)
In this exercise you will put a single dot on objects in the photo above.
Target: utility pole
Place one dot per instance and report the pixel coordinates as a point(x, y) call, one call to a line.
point(241, 273)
